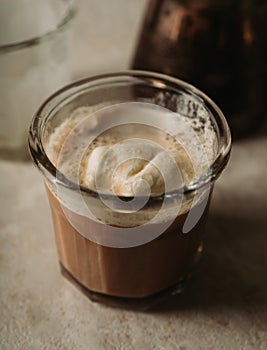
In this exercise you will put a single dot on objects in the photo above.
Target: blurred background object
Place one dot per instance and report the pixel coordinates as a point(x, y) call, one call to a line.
point(40, 51)
point(34, 62)
point(104, 35)
point(219, 46)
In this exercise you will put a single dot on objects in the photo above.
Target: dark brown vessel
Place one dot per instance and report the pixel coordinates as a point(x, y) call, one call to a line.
point(219, 46)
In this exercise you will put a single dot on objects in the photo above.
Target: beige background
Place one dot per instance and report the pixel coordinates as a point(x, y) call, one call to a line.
point(225, 306)
point(105, 33)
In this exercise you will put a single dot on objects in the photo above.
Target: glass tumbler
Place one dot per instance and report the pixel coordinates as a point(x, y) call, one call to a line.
point(130, 250)
point(33, 62)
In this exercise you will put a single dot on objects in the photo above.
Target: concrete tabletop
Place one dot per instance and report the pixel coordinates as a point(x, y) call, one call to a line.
point(225, 303)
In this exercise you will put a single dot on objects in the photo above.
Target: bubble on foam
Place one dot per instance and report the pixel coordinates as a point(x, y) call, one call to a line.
point(194, 128)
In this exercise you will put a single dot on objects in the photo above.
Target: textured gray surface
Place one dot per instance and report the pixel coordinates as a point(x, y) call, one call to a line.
point(225, 305)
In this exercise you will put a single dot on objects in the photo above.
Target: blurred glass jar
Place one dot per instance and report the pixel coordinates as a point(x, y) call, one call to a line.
point(219, 46)
point(33, 62)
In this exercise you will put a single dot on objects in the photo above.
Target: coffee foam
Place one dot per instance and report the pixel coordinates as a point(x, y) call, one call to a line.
point(77, 139)
point(129, 149)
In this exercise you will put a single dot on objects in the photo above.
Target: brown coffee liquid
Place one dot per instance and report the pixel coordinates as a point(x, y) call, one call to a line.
point(134, 272)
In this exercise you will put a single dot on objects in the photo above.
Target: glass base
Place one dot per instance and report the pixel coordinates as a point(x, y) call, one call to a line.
point(145, 303)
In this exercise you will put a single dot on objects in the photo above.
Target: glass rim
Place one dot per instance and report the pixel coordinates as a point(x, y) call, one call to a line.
point(46, 167)
point(35, 40)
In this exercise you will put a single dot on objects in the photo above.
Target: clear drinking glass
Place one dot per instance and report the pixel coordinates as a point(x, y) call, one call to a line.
point(33, 62)
point(132, 250)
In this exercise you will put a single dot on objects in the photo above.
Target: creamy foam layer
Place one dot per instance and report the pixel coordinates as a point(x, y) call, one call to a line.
point(133, 160)
point(129, 149)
